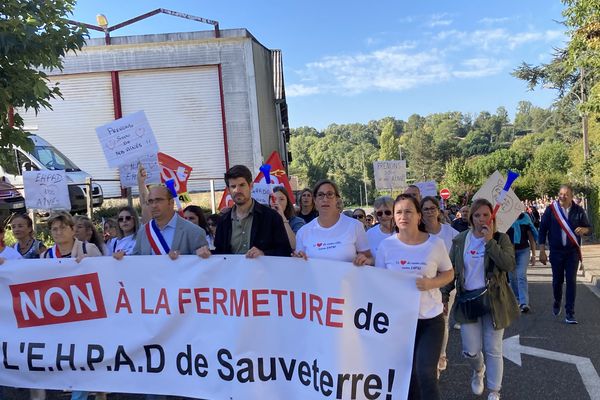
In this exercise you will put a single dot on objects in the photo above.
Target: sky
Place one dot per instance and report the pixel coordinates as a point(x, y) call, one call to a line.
point(356, 61)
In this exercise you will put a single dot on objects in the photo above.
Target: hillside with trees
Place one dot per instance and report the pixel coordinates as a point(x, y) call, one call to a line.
point(546, 146)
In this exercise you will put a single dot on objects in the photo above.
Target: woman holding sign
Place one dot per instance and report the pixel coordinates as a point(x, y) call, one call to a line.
point(484, 303)
point(415, 252)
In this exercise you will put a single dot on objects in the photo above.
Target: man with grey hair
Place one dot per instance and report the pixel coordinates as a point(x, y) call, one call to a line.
point(563, 224)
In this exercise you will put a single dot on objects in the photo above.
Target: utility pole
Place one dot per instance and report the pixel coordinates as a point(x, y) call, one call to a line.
point(584, 127)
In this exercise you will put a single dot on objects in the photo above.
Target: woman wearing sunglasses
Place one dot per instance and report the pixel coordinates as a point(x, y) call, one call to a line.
point(385, 228)
point(129, 224)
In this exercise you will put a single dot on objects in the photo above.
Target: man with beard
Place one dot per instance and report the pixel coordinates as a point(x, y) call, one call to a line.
point(249, 228)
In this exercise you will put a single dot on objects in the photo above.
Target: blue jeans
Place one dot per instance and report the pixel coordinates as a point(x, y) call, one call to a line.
point(564, 264)
point(518, 277)
point(479, 338)
point(79, 395)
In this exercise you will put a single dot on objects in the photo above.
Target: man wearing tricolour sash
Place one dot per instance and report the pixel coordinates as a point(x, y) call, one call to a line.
point(167, 232)
point(562, 224)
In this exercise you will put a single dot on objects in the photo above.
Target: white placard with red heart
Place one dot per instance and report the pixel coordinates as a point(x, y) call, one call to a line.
point(127, 139)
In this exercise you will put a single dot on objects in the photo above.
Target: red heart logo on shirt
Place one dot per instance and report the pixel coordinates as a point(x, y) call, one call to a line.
point(319, 244)
point(473, 252)
point(402, 262)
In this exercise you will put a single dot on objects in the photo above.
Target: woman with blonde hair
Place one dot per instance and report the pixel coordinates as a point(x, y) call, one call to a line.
point(484, 305)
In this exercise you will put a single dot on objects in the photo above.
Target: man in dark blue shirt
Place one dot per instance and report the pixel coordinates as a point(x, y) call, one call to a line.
point(562, 224)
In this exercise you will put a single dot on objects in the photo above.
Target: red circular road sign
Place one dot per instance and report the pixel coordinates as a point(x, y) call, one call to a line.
point(445, 194)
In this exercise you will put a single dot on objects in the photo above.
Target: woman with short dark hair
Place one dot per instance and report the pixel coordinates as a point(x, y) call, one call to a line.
point(345, 237)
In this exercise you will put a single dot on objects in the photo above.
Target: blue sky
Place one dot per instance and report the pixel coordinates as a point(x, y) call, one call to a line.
point(355, 61)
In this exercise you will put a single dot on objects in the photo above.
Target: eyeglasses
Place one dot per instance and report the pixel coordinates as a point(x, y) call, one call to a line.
point(125, 218)
point(329, 195)
point(358, 216)
point(429, 209)
point(156, 201)
point(386, 212)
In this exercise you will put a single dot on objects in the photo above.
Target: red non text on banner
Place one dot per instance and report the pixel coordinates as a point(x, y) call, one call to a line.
point(57, 301)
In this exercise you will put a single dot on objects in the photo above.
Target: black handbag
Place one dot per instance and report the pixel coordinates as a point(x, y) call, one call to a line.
point(474, 303)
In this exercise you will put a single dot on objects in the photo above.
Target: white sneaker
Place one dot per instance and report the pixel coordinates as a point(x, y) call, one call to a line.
point(494, 396)
point(477, 385)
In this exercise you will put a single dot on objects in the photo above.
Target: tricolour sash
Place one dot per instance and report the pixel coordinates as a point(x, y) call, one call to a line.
point(155, 238)
point(561, 218)
point(54, 252)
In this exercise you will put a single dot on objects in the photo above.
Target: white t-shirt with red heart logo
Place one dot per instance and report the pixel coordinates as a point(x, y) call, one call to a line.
point(474, 256)
point(420, 260)
point(339, 242)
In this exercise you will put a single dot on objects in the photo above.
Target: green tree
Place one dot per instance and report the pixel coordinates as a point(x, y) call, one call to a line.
point(389, 143)
point(34, 36)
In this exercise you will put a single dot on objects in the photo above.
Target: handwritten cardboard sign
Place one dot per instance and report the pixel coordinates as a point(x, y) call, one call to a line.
point(427, 188)
point(389, 174)
point(510, 209)
point(261, 192)
point(128, 172)
point(127, 139)
point(46, 190)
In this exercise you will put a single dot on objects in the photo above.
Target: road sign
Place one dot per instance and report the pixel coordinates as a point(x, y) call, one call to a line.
point(445, 194)
point(390, 174)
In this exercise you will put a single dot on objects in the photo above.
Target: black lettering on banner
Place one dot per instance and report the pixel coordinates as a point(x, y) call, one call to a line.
point(121, 358)
point(287, 372)
point(161, 361)
point(272, 371)
point(5, 358)
point(326, 381)
point(340, 384)
point(380, 323)
point(200, 363)
point(304, 373)
point(91, 359)
point(355, 379)
point(315, 369)
point(368, 387)
point(31, 356)
point(220, 355)
point(70, 357)
point(247, 369)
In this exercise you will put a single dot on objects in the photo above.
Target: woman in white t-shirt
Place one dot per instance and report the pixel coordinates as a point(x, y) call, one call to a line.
point(385, 228)
point(128, 226)
point(432, 218)
point(332, 235)
point(414, 251)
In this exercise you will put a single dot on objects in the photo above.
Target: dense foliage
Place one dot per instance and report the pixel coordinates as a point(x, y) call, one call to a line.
point(34, 36)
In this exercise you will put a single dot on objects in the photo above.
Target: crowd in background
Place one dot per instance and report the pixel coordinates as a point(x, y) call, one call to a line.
point(451, 248)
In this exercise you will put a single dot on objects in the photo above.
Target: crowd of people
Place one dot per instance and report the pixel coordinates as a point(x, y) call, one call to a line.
point(442, 250)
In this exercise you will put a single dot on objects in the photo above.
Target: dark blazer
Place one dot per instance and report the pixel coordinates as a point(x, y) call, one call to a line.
point(550, 228)
point(267, 234)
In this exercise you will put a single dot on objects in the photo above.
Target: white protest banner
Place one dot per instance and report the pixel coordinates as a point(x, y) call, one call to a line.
point(221, 328)
point(427, 188)
point(128, 172)
point(512, 206)
point(127, 139)
point(389, 174)
point(46, 190)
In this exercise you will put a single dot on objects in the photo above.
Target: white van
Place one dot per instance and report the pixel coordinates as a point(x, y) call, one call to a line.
point(46, 156)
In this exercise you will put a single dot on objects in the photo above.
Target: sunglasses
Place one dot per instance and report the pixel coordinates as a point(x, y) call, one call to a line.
point(358, 216)
point(125, 218)
point(386, 212)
